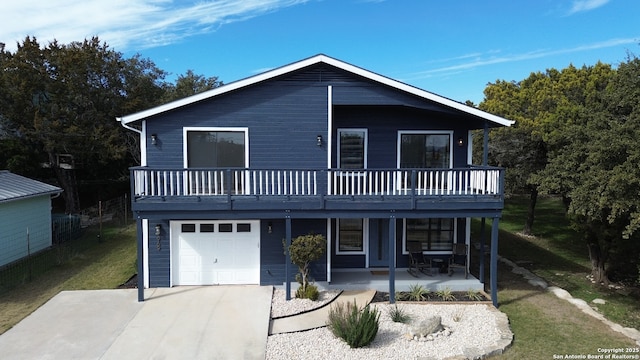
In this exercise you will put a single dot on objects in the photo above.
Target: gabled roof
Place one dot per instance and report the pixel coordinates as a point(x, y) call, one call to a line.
point(15, 187)
point(305, 63)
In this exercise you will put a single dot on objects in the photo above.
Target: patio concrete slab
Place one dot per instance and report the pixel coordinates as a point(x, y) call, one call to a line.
point(204, 322)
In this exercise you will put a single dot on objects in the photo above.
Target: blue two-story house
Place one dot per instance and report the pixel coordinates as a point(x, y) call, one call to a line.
point(319, 146)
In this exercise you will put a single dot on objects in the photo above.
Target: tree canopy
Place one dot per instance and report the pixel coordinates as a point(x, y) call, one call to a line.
point(576, 136)
point(58, 105)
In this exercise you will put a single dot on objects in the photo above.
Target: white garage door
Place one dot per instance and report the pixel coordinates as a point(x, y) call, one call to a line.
point(215, 252)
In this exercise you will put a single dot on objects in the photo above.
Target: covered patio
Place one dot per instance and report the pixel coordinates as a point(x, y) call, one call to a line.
point(378, 279)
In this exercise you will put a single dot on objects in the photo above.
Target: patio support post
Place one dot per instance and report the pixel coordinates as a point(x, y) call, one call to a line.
point(140, 258)
point(494, 261)
point(287, 258)
point(483, 241)
point(392, 257)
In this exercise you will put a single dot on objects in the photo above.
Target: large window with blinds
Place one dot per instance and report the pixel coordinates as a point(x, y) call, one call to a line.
point(434, 234)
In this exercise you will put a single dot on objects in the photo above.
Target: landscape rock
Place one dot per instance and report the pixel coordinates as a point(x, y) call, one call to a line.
point(427, 326)
point(599, 301)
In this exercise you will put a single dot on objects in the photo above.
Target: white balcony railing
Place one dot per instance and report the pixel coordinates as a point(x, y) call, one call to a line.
point(334, 182)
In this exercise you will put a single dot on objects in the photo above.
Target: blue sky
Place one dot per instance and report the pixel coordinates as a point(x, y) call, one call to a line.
point(452, 48)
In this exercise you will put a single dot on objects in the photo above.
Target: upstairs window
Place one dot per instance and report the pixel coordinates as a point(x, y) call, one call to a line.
point(419, 149)
point(212, 148)
point(352, 148)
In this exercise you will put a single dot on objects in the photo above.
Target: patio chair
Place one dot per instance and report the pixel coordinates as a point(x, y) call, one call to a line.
point(458, 259)
point(417, 260)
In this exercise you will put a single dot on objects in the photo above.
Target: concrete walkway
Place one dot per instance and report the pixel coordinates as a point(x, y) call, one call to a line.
point(318, 317)
point(200, 322)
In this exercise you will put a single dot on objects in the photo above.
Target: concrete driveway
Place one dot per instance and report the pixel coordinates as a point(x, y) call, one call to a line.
point(203, 322)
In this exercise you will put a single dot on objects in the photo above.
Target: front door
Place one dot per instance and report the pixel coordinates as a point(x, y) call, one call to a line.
point(378, 243)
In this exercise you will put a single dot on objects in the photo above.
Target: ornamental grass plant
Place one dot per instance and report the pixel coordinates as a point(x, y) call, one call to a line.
point(356, 327)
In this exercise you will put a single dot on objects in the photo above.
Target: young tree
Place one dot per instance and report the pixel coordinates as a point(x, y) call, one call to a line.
point(304, 250)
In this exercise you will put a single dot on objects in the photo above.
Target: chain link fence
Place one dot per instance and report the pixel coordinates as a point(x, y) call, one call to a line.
point(70, 234)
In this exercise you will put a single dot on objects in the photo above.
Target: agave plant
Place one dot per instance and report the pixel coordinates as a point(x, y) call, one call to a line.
point(418, 292)
point(446, 294)
point(474, 295)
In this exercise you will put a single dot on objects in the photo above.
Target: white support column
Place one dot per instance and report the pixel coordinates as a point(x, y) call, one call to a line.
point(329, 123)
point(145, 252)
point(329, 241)
point(141, 269)
point(392, 258)
point(287, 258)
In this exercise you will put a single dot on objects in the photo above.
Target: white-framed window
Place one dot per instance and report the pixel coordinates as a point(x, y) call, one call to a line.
point(216, 147)
point(436, 235)
point(352, 148)
point(351, 236)
point(425, 149)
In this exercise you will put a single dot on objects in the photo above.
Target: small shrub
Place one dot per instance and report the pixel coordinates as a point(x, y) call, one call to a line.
point(418, 293)
point(474, 295)
point(310, 292)
point(400, 295)
point(457, 316)
point(398, 315)
point(446, 294)
point(356, 327)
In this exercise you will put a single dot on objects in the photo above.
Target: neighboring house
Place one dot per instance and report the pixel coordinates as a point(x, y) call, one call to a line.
point(25, 216)
point(315, 146)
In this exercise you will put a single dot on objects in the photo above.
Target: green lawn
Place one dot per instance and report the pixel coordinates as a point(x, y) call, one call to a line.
point(540, 320)
point(544, 325)
point(103, 265)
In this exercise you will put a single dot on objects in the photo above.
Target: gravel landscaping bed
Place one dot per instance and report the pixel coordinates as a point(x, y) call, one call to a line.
point(280, 307)
point(476, 330)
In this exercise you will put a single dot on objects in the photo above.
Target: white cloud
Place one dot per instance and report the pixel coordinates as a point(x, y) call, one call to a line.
point(125, 24)
point(586, 5)
point(480, 60)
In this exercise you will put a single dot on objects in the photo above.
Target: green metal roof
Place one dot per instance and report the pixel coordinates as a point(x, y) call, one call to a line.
point(15, 187)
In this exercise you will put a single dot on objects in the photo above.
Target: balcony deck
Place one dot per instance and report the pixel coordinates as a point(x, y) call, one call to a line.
point(473, 189)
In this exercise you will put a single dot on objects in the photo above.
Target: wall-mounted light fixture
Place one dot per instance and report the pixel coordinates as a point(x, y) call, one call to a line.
point(319, 140)
point(269, 227)
point(460, 141)
point(158, 233)
point(154, 139)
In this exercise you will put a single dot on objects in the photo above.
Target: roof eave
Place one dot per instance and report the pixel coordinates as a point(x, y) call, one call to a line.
point(23, 197)
point(124, 120)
